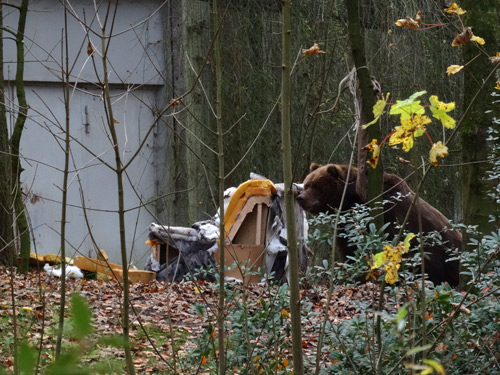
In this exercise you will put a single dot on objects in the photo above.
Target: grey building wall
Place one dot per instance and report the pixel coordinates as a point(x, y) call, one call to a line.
point(136, 61)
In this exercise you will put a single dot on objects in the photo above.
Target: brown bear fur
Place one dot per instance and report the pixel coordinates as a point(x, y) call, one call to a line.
point(322, 192)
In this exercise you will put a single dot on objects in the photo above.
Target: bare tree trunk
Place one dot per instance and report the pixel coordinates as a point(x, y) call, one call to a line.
point(293, 253)
point(119, 171)
point(15, 140)
point(66, 86)
point(369, 182)
point(220, 152)
point(7, 248)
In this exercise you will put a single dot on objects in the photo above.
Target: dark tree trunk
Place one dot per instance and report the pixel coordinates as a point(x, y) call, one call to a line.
point(483, 17)
point(369, 182)
point(6, 210)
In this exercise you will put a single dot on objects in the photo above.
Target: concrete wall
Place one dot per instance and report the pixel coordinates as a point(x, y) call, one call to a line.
point(136, 60)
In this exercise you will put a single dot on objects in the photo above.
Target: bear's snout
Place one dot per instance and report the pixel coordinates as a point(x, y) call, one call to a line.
point(306, 202)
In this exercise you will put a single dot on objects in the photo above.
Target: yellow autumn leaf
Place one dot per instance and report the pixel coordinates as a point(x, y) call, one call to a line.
point(477, 39)
point(407, 22)
point(439, 110)
point(426, 371)
point(497, 87)
point(26, 309)
point(455, 9)
point(391, 275)
point(438, 150)
point(438, 367)
point(410, 128)
point(378, 109)
point(375, 149)
point(285, 313)
point(454, 69)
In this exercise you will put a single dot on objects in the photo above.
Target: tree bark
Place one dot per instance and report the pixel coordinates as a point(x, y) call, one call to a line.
point(15, 140)
point(188, 32)
point(7, 248)
point(483, 17)
point(220, 154)
point(370, 181)
point(119, 172)
point(293, 252)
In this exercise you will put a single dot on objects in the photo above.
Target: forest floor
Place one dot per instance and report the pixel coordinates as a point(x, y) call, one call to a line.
point(166, 312)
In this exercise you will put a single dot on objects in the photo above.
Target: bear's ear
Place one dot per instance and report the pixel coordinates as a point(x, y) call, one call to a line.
point(341, 171)
point(314, 166)
point(334, 170)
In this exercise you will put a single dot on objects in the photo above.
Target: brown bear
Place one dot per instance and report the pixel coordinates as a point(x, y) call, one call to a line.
point(323, 188)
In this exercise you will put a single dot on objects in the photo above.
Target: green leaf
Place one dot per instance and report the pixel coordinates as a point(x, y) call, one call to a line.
point(67, 363)
point(378, 109)
point(26, 359)
point(378, 260)
point(409, 107)
point(80, 317)
point(407, 240)
point(400, 317)
point(418, 349)
point(115, 341)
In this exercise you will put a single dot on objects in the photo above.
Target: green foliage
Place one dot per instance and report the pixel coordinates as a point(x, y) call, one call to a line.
point(80, 326)
point(79, 329)
point(461, 328)
point(27, 359)
point(409, 107)
point(257, 337)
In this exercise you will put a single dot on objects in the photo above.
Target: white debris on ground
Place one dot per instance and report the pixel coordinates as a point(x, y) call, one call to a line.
point(71, 271)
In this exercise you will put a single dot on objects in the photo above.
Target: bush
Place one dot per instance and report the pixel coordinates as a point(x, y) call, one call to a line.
point(421, 327)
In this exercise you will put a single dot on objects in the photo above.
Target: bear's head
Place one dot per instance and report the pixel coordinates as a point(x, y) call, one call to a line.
point(323, 188)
